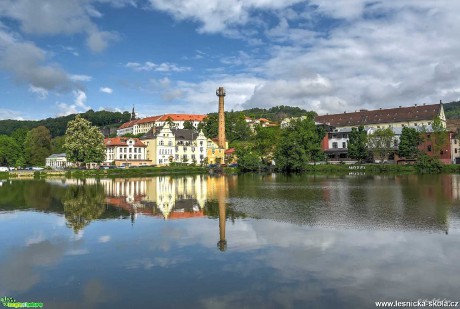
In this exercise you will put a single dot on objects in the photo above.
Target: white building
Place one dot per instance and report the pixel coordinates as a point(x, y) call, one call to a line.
point(125, 151)
point(166, 145)
point(58, 161)
point(145, 124)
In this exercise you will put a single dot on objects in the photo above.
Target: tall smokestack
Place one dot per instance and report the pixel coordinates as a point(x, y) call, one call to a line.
point(220, 92)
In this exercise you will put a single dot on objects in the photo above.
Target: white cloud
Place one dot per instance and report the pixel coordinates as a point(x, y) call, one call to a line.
point(10, 114)
point(81, 78)
point(106, 90)
point(52, 17)
point(162, 67)
point(40, 92)
point(78, 106)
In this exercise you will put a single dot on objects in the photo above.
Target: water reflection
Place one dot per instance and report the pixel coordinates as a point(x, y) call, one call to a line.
point(293, 241)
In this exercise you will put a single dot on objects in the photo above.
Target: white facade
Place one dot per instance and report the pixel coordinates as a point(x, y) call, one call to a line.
point(166, 145)
point(124, 149)
point(58, 161)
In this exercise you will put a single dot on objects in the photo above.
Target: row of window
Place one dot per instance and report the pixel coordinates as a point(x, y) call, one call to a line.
point(130, 150)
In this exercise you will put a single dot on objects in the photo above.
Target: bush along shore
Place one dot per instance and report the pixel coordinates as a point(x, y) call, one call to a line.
point(110, 173)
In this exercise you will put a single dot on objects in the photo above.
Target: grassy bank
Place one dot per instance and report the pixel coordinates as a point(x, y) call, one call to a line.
point(137, 172)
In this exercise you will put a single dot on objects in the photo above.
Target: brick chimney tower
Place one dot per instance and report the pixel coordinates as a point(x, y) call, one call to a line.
point(220, 92)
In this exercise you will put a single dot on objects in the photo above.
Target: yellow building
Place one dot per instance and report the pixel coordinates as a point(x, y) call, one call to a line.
point(215, 154)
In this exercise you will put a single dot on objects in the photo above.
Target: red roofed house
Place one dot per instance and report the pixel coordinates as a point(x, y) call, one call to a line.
point(145, 124)
point(122, 151)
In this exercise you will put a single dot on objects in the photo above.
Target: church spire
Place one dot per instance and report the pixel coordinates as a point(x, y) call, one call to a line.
point(133, 114)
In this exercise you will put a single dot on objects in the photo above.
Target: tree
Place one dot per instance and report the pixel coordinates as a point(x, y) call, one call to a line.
point(189, 125)
point(357, 144)
point(10, 151)
point(236, 128)
point(84, 143)
point(57, 144)
point(299, 144)
point(408, 143)
point(381, 143)
point(19, 136)
point(37, 145)
point(265, 141)
point(248, 159)
point(440, 136)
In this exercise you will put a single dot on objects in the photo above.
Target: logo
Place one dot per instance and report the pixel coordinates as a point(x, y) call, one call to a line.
point(10, 302)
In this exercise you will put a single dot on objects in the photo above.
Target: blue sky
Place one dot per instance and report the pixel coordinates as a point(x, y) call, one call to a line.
point(169, 56)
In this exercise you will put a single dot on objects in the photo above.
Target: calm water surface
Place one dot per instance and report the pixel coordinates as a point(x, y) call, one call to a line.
point(230, 242)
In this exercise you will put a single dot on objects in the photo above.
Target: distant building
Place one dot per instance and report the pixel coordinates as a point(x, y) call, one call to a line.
point(138, 126)
point(58, 161)
point(123, 151)
point(215, 154)
point(416, 116)
point(263, 122)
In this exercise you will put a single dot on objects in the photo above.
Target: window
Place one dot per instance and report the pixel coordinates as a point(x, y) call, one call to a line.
point(130, 150)
point(442, 152)
point(395, 143)
point(135, 150)
point(135, 156)
point(160, 161)
point(455, 150)
point(455, 141)
point(130, 157)
point(185, 148)
point(334, 145)
point(415, 124)
point(201, 149)
point(170, 143)
point(201, 143)
point(202, 157)
point(177, 148)
point(193, 149)
point(161, 143)
point(193, 157)
point(344, 136)
point(344, 144)
point(428, 148)
point(177, 157)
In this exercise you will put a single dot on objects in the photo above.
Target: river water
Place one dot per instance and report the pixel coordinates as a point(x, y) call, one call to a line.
point(249, 241)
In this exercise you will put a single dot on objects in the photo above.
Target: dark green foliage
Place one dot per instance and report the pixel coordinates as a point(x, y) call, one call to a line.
point(265, 141)
point(428, 165)
point(408, 143)
point(236, 127)
point(452, 110)
point(357, 144)
point(277, 113)
point(37, 146)
point(299, 144)
point(57, 144)
point(58, 125)
point(10, 151)
point(248, 159)
point(189, 125)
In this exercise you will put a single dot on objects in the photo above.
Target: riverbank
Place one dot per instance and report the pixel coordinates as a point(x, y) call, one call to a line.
point(328, 169)
point(110, 173)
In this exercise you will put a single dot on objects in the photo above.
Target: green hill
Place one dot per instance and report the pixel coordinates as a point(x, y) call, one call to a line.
point(452, 110)
point(58, 125)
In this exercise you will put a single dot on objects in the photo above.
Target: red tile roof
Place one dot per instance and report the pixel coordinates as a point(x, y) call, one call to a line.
point(122, 141)
point(390, 115)
point(174, 117)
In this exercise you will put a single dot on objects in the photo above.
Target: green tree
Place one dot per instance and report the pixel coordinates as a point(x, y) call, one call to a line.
point(408, 143)
point(357, 144)
point(299, 144)
point(19, 136)
point(440, 137)
point(380, 143)
point(10, 151)
point(265, 140)
point(57, 144)
point(189, 125)
point(248, 159)
point(236, 128)
point(37, 145)
point(84, 143)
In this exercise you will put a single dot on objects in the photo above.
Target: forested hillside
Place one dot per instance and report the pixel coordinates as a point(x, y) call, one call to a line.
point(277, 113)
point(452, 110)
point(57, 126)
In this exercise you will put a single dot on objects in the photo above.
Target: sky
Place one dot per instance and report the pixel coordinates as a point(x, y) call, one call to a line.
point(168, 56)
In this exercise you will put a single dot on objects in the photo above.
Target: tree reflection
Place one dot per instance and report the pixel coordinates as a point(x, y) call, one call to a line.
point(82, 204)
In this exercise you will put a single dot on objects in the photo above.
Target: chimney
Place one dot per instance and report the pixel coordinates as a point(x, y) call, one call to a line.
point(415, 105)
point(220, 92)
